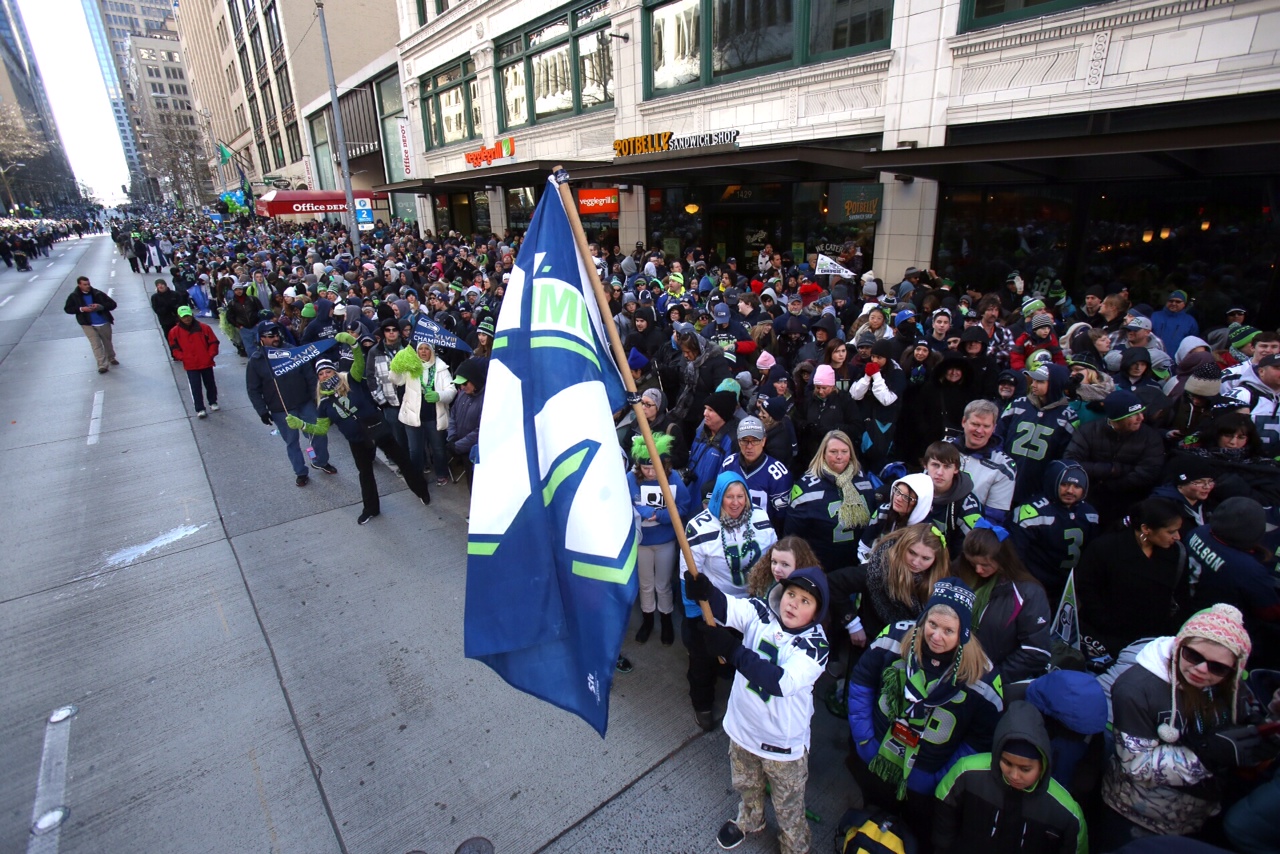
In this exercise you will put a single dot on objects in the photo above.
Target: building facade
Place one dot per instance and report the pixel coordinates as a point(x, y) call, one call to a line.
point(111, 24)
point(172, 148)
point(973, 136)
point(34, 170)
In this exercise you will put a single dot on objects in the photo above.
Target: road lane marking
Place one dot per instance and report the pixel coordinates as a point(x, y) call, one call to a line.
point(113, 274)
point(111, 292)
point(5, 300)
point(95, 417)
point(49, 813)
point(33, 278)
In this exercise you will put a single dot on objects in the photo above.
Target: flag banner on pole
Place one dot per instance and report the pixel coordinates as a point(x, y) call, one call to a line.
point(829, 267)
point(1066, 623)
point(426, 329)
point(286, 359)
point(246, 188)
point(551, 549)
point(224, 155)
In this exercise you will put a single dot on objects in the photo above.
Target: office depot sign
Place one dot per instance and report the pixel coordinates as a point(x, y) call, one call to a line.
point(501, 150)
point(323, 207)
point(597, 201)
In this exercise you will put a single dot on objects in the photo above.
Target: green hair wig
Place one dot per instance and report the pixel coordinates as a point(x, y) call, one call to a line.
point(640, 451)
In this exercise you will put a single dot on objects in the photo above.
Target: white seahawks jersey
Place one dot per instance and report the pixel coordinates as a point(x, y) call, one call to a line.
point(770, 726)
point(727, 556)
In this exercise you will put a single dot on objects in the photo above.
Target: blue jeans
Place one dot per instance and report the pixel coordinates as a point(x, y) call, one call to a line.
point(1250, 824)
point(391, 416)
point(249, 338)
point(424, 437)
point(307, 412)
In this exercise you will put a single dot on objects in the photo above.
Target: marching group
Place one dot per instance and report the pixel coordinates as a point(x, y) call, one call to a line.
point(1027, 545)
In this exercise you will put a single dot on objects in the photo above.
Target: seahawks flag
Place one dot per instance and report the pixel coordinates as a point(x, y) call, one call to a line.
point(285, 359)
point(552, 541)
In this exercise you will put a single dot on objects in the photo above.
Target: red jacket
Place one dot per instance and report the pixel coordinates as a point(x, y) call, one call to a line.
point(196, 346)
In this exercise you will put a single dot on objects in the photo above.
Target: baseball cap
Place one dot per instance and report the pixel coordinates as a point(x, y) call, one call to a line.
point(751, 427)
point(682, 328)
point(722, 313)
point(184, 311)
point(1270, 361)
point(1039, 373)
point(1137, 323)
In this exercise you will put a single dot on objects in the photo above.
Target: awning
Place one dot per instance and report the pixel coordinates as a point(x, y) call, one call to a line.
point(1251, 148)
point(413, 185)
point(530, 173)
point(291, 202)
point(755, 165)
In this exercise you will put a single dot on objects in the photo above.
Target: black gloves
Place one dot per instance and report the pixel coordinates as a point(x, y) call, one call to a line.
point(719, 641)
point(1231, 747)
point(266, 419)
point(699, 589)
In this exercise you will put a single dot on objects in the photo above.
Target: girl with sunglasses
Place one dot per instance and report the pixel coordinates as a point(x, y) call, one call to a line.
point(1182, 723)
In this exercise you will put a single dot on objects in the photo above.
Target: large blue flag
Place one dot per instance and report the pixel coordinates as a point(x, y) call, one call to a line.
point(552, 541)
point(426, 329)
point(286, 359)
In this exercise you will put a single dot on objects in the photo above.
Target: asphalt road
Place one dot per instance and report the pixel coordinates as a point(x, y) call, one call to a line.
point(251, 671)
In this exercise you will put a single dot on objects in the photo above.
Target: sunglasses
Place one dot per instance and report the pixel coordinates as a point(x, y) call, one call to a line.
point(1215, 668)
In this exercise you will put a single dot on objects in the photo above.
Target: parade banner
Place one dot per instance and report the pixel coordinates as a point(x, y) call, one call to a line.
point(286, 359)
point(1066, 623)
point(426, 329)
point(829, 267)
point(552, 542)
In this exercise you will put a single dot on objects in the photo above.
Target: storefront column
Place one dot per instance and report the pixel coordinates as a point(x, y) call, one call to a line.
point(426, 215)
point(498, 211)
point(631, 217)
point(904, 236)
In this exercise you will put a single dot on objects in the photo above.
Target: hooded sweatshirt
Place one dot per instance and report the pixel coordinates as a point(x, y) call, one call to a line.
point(980, 812)
point(956, 511)
point(882, 520)
point(1049, 536)
point(771, 704)
point(726, 556)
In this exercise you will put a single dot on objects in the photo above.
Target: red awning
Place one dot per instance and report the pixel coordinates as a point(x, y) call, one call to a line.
point(291, 202)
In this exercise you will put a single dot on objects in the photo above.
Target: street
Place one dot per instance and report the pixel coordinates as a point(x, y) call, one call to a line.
point(251, 671)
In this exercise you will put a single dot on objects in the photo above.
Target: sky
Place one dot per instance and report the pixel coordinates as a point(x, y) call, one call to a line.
point(77, 94)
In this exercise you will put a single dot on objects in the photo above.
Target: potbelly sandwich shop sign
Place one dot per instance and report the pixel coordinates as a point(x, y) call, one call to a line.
point(668, 143)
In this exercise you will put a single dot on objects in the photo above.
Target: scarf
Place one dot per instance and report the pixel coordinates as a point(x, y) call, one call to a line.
point(982, 598)
point(854, 512)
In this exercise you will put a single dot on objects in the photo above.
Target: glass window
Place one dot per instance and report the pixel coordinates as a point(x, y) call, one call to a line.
point(515, 104)
point(750, 34)
point(272, 19)
point(391, 111)
point(451, 104)
point(595, 69)
point(277, 149)
point(245, 70)
point(268, 103)
point(262, 158)
point(282, 84)
point(422, 11)
point(295, 142)
point(255, 42)
point(552, 82)
point(675, 40)
point(564, 66)
point(975, 14)
point(841, 24)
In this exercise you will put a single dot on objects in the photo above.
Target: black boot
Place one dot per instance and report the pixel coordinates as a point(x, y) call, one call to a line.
point(646, 627)
point(668, 630)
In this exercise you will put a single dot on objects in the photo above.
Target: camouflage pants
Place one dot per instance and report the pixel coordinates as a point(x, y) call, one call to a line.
point(787, 781)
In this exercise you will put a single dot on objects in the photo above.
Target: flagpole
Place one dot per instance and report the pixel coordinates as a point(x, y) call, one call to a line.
point(620, 357)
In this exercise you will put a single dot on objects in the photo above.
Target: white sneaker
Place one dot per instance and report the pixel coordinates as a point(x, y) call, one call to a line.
point(215, 407)
point(202, 414)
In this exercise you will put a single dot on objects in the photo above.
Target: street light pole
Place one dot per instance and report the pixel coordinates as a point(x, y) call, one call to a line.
point(342, 138)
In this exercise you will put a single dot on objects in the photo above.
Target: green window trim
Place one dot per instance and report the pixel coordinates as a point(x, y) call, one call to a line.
point(459, 75)
point(802, 53)
point(422, 12)
point(570, 27)
point(969, 22)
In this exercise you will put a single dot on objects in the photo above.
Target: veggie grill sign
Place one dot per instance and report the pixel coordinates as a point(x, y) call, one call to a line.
point(662, 143)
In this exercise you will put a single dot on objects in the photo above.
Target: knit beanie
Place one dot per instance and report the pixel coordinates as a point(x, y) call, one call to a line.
point(1022, 748)
point(1224, 625)
point(1239, 522)
point(957, 596)
point(1185, 468)
point(765, 361)
point(824, 375)
point(1242, 335)
point(308, 310)
point(1205, 381)
point(1041, 320)
point(723, 403)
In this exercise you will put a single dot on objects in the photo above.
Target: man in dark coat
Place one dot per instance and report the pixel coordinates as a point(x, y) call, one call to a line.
point(1122, 456)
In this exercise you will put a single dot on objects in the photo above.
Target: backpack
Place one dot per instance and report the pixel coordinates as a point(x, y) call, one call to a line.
point(873, 832)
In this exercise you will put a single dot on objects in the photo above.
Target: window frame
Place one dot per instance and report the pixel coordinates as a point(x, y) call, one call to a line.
point(429, 94)
point(525, 52)
point(800, 54)
point(968, 23)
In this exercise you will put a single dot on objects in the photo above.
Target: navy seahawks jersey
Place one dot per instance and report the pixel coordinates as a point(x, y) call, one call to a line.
point(768, 485)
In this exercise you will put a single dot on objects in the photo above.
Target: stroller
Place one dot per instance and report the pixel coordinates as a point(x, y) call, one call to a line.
point(21, 262)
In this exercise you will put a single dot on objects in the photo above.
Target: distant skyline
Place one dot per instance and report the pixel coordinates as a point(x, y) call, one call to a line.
point(77, 94)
